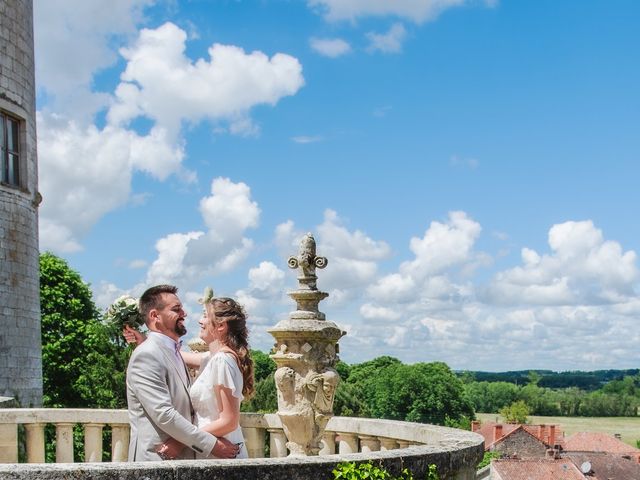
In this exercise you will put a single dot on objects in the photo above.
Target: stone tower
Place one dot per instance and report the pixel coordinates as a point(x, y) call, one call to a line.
point(20, 345)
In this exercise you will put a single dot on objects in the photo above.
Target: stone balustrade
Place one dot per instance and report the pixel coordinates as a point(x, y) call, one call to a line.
point(394, 444)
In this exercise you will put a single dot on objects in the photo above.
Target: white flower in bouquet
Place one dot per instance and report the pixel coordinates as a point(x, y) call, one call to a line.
point(124, 311)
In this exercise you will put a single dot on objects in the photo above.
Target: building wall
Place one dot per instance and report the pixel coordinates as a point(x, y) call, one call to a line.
point(522, 445)
point(20, 344)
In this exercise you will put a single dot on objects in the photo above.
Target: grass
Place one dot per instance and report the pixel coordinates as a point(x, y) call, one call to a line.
point(627, 427)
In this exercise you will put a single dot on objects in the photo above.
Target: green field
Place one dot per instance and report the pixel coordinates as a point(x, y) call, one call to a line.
point(628, 427)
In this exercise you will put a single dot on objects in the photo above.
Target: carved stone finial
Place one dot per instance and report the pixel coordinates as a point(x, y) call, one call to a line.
point(306, 355)
point(307, 261)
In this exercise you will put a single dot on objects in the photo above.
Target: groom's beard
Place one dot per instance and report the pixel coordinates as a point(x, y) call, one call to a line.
point(180, 328)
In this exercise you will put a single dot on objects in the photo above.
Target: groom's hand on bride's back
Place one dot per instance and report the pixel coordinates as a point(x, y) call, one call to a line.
point(225, 449)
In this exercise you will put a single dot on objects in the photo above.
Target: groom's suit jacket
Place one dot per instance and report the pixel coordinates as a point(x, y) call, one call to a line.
point(159, 404)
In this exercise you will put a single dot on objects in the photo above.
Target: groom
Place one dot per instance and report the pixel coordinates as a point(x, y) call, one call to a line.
point(158, 385)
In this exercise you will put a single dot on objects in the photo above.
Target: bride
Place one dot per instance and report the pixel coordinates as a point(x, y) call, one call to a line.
point(225, 373)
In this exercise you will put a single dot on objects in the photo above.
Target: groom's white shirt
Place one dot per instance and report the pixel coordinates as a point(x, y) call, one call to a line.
point(159, 402)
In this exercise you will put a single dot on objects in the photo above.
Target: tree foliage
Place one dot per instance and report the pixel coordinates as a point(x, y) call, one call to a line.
point(517, 412)
point(423, 392)
point(83, 362)
point(619, 397)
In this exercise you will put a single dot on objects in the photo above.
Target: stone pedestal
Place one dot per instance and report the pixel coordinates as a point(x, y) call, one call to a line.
point(306, 353)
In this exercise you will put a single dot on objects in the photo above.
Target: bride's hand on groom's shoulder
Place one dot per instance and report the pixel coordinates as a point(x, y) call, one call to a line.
point(132, 335)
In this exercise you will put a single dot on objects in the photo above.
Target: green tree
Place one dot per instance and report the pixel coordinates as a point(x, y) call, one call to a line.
point(534, 377)
point(490, 397)
point(83, 363)
point(263, 365)
point(517, 412)
point(265, 398)
point(423, 392)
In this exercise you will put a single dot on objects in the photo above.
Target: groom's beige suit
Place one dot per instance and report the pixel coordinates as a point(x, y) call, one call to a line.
point(159, 404)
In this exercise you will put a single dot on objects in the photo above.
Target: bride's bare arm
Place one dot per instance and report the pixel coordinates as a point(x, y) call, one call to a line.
point(229, 418)
point(193, 359)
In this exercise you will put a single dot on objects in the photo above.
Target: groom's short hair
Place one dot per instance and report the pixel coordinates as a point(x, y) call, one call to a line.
point(152, 298)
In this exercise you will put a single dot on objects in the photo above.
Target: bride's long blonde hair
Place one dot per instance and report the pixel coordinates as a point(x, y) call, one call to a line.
point(227, 310)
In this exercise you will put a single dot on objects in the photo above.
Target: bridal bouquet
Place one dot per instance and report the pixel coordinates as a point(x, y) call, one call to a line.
point(124, 311)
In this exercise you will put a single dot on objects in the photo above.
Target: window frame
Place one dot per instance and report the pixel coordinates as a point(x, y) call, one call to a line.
point(10, 150)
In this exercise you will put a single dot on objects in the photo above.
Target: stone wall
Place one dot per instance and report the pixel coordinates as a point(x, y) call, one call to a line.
point(456, 465)
point(521, 444)
point(20, 350)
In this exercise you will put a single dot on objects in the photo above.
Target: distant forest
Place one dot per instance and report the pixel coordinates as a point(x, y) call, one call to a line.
point(588, 381)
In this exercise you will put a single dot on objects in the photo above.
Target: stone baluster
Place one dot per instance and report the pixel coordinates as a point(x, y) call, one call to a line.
point(347, 443)
point(254, 440)
point(369, 443)
point(404, 443)
point(328, 444)
point(388, 443)
point(35, 442)
point(93, 442)
point(8, 443)
point(277, 443)
point(64, 442)
point(119, 442)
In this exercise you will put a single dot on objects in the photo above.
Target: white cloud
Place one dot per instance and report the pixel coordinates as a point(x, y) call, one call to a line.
point(390, 42)
point(393, 288)
point(169, 267)
point(353, 257)
point(373, 312)
point(161, 83)
point(306, 139)
point(138, 263)
point(266, 280)
point(340, 242)
point(85, 170)
point(72, 43)
point(185, 258)
point(582, 268)
point(444, 245)
point(330, 47)
point(417, 11)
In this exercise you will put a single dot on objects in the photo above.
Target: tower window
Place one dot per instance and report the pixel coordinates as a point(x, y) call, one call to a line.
point(9, 149)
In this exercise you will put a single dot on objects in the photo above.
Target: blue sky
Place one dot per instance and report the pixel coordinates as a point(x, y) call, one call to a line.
point(469, 168)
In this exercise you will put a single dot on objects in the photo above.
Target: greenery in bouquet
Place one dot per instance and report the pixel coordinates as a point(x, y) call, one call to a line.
point(124, 311)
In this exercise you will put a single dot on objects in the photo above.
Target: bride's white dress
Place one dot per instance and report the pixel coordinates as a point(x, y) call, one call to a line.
point(218, 369)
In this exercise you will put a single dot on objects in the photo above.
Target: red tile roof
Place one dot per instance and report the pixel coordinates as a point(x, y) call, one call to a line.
point(598, 442)
point(541, 432)
point(607, 466)
point(535, 469)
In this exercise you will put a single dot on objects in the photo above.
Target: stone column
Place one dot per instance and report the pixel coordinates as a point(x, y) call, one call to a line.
point(404, 443)
point(64, 443)
point(93, 442)
point(254, 440)
point(348, 443)
point(35, 442)
point(388, 443)
point(9, 443)
point(328, 444)
point(119, 442)
point(277, 443)
point(306, 353)
point(369, 443)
